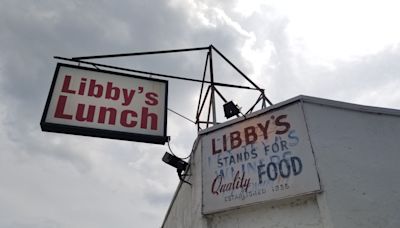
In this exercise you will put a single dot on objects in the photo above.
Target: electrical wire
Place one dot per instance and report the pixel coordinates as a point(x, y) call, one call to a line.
point(184, 117)
point(169, 147)
point(180, 175)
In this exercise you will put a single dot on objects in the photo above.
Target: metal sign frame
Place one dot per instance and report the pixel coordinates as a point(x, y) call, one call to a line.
point(209, 92)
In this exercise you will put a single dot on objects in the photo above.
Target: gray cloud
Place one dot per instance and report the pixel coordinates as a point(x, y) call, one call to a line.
point(54, 180)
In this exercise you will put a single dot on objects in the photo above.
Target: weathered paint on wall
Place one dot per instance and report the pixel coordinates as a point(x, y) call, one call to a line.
point(264, 158)
point(357, 153)
point(300, 213)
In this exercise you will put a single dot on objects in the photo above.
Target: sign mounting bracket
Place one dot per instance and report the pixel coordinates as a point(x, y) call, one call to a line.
point(211, 89)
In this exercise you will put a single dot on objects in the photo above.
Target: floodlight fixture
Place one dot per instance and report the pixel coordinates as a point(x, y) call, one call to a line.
point(176, 162)
point(230, 109)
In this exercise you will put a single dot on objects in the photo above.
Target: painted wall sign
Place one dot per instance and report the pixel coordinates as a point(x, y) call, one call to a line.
point(91, 102)
point(264, 158)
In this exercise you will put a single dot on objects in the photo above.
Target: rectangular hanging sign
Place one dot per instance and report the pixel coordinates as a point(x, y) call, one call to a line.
point(92, 102)
point(264, 158)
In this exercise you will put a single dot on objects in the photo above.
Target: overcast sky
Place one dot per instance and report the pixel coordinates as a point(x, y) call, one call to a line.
point(341, 50)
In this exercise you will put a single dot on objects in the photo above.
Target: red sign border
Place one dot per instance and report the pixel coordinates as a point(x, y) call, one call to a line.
point(96, 132)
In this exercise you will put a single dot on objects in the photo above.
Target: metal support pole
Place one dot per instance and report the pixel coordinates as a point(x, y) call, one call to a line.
point(198, 112)
point(209, 112)
point(241, 73)
point(152, 73)
point(140, 53)
point(212, 88)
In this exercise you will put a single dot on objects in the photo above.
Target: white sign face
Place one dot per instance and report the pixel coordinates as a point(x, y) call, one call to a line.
point(264, 158)
point(92, 102)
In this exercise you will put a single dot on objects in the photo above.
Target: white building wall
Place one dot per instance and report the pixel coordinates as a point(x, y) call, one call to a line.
point(357, 155)
point(300, 213)
point(185, 208)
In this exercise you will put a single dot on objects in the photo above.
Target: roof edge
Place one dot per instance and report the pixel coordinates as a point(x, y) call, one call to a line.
point(178, 188)
point(299, 98)
point(349, 106)
point(311, 100)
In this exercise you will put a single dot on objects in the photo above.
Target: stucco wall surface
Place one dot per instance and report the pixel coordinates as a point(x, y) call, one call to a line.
point(357, 156)
point(302, 212)
point(185, 209)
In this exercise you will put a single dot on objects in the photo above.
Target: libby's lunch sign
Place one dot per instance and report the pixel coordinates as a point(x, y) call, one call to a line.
point(92, 102)
point(267, 157)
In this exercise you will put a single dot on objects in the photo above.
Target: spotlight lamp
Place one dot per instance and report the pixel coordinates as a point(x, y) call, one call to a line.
point(177, 163)
point(230, 109)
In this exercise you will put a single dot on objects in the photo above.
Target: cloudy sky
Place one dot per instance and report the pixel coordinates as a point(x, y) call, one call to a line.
point(341, 50)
